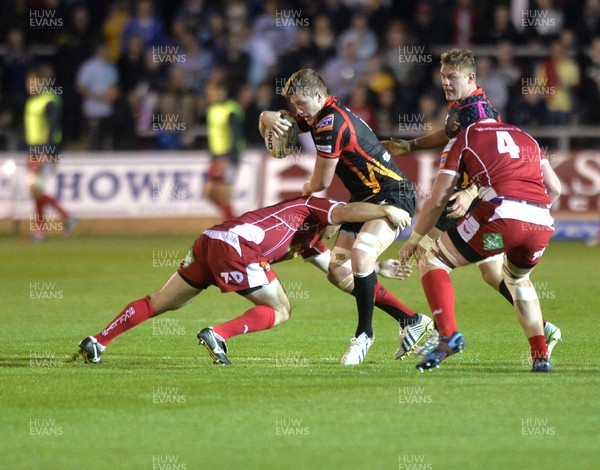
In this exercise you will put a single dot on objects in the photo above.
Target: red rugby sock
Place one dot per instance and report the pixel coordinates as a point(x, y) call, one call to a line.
point(391, 305)
point(440, 296)
point(258, 318)
point(538, 347)
point(134, 314)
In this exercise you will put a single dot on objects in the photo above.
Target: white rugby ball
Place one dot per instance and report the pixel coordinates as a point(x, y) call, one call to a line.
point(281, 147)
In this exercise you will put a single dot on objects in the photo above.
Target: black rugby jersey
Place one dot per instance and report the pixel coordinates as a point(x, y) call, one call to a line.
point(364, 166)
point(452, 126)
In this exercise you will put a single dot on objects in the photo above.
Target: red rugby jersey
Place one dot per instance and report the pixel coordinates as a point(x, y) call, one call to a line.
point(285, 229)
point(500, 157)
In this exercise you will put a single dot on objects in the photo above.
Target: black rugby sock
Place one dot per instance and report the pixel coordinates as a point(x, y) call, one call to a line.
point(364, 291)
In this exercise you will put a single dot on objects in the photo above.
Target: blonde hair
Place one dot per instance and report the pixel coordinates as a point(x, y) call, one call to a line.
point(462, 60)
point(304, 81)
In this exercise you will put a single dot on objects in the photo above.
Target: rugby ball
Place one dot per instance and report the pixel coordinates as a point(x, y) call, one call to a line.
point(281, 147)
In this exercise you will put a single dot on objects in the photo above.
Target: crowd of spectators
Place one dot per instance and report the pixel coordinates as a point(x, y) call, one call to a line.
point(132, 74)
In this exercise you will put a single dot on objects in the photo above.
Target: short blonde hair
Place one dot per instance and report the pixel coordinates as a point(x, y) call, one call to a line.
point(462, 60)
point(304, 81)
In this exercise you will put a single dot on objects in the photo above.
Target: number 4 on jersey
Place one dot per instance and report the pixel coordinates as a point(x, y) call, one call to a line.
point(506, 144)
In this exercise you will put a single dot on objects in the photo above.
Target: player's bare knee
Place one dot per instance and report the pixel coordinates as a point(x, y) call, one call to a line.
point(490, 278)
point(341, 277)
point(491, 270)
point(368, 244)
point(365, 251)
point(518, 283)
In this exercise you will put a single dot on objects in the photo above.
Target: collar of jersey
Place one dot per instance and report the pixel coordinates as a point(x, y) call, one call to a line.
point(328, 102)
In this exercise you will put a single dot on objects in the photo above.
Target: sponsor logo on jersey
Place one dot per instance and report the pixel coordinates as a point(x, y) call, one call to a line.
point(492, 241)
point(386, 156)
point(443, 160)
point(265, 265)
point(324, 148)
point(325, 124)
point(189, 259)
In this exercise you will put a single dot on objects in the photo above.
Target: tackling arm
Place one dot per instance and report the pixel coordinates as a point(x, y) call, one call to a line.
point(364, 211)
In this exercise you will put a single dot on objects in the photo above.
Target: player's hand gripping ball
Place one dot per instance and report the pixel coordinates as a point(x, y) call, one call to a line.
point(281, 147)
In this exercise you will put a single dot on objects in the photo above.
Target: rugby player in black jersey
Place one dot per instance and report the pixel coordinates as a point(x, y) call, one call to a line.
point(348, 148)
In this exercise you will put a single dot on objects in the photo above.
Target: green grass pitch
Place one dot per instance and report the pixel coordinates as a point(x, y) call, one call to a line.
point(157, 402)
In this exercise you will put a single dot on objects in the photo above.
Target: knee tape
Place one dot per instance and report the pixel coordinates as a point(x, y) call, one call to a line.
point(438, 256)
point(426, 242)
point(518, 284)
point(343, 284)
point(368, 243)
point(340, 256)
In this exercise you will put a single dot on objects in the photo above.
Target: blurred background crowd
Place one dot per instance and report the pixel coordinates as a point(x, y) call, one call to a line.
point(136, 71)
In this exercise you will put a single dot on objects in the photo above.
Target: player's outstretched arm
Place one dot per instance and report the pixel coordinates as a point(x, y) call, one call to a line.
point(397, 147)
point(273, 120)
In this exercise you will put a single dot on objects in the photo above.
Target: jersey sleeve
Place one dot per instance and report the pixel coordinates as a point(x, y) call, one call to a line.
point(322, 208)
point(452, 126)
point(450, 162)
point(317, 249)
point(330, 136)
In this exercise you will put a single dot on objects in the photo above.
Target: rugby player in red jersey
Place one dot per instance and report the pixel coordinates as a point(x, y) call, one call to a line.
point(512, 217)
point(459, 82)
point(236, 256)
point(458, 78)
point(347, 147)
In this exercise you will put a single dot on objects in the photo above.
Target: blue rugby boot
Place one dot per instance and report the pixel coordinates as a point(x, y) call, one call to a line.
point(436, 353)
point(541, 365)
